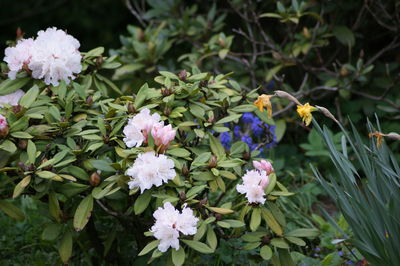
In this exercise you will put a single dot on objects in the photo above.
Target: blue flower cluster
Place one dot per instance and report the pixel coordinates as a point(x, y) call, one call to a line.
point(252, 131)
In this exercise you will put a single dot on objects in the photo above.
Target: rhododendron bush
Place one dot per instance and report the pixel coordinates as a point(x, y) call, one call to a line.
point(146, 171)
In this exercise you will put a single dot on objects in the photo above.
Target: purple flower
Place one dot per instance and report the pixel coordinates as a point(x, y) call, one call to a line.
point(349, 262)
point(340, 253)
point(317, 249)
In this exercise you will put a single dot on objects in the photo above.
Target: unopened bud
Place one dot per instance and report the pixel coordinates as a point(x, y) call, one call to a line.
point(47, 168)
point(167, 111)
point(393, 135)
point(266, 239)
point(213, 161)
point(285, 95)
point(22, 144)
point(4, 128)
point(203, 201)
point(185, 170)
point(131, 108)
point(89, 100)
point(344, 71)
point(182, 75)
point(182, 195)
point(326, 113)
point(141, 35)
point(16, 109)
point(19, 33)
point(246, 155)
point(306, 33)
point(94, 179)
point(203, 83)
point(218, 216)
point(99, 61)
point(166, 92)
point(106, 139)
point(221, 42)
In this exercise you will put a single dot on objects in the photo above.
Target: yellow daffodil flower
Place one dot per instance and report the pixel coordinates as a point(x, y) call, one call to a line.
point(304, 112)
point(264, 101)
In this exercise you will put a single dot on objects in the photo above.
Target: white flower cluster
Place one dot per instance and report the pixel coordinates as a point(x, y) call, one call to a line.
point(12, 98)
point(141, 125)
point(169, 222)
point(52, 56)
point(150, 169)
point(255, 182)
point(138, 128)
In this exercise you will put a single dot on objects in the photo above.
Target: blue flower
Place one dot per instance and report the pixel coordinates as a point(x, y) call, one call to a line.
point(256, 127)
point(340, 253)
point(247, 139)
point(248, 117)
point(236, 131)
point(226, 140)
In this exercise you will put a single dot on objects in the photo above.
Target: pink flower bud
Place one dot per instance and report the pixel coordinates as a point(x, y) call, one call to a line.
point(264, 182)
point(4, 129)
point(163, 135)
point(263, 165)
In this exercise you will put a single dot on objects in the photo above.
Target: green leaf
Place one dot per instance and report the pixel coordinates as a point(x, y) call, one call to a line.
point(196, 77)
point(51, 232)
point(216, 147)
point(8, 146)
point(344, 35)
point(9, 86)
point(273, 71)
point(56, 159)
point(271, 221)
point(296, 240)
point(21, 135)
point(285, 257)
point(304, 233)
point(54, 207)
point(244, 108)
point(142, 202)
point(198, 246)
point(94, 52)
point(229, 119)
point(11, 210)
point(220, 210)
point(280, 129)
point(149, 247)
point(30, 97)
point(31, 150)
point(266, 252)
point(235, 223)
point(65, 248)
point(83, 213)
point(46, 174)
point(76, 172)
point(21, 186)
point(141, 96)
point(255, 220)
point(178, 256)
point(211, 238)
point(195, 190)
point(102, 165)
point(279, 243)
point(179, 152)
